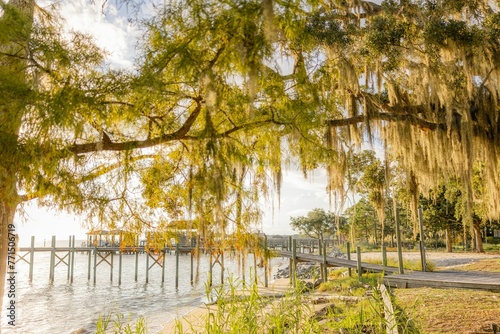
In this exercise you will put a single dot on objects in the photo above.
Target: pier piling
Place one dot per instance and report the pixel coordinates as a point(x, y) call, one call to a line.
point(32, 258)
point(52, 259)
point(177, 265)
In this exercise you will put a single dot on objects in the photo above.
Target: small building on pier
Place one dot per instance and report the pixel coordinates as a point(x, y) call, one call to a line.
point(111, 238)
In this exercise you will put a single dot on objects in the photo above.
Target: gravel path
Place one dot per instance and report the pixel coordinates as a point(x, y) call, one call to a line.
point(441, 259)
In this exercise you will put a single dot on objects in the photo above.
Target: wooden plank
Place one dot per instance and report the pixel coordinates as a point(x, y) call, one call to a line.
point(391, 325)
point(446, 279)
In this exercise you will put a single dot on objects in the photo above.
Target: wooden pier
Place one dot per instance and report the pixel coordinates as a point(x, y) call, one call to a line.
point(339, 262)
point(106, 255)
point(437, 279)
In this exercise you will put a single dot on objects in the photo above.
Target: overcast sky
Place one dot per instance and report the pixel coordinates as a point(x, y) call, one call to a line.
point(113, 32)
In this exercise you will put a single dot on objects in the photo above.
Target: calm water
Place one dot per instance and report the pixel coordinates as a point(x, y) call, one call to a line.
point(63, 308)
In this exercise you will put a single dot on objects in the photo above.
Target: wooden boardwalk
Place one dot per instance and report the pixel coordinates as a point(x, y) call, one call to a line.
point(339, 262)
point(446, 279)
point(412, 279)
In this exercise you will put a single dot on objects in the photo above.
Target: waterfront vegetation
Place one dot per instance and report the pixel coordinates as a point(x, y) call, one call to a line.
point(119, 324)
point(342, 305)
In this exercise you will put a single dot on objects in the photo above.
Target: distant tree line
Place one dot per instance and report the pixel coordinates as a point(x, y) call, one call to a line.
point(371, 218)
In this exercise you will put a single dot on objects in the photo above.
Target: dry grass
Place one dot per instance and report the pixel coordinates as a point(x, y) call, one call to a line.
point(491, 265)
point(446, 311)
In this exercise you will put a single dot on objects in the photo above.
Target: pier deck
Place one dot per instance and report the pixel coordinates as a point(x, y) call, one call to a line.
point(446, 279)
point(339, 262)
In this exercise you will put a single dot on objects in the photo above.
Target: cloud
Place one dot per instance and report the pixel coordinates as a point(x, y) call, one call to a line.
point(298, 197)
point(108, 26)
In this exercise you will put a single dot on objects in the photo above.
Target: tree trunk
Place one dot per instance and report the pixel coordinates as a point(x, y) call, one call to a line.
point(8, 245)
point(478, 237)
point(449, 247)
point(12, 109)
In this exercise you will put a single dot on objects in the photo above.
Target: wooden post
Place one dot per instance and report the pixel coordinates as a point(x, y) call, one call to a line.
point(293, 269)
point(398, 240)
point(177, 265)
point(348, 249)
point(163, 254)
point(69, 258)
point(384, 256)
point(32, 258)
point(290, 262)
point(243, 266)
point(147, 267)
point(321, 264)
point(266, 273)
point(72, 260)
point(324, 264)
point(120, 256)
point(210, 272)
point(112, 266)
point(192, 265)
point(255, 267)
point(52, 259)
point(222, 267)
point(136, 263)
point(358, 258)
point(422, 240)
point(89, 253)
point(95, 263)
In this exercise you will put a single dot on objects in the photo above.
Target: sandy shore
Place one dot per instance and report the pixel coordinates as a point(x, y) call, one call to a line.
point(194, 320)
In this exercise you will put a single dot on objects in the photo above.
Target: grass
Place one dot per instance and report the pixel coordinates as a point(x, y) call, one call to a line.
point(240, 308)
point(407, 264)
point(120, 325)
point(447, 311)
point(358, 309)
point(349, 286)
point(363, 312)
point(491, 247)
point(490, 265)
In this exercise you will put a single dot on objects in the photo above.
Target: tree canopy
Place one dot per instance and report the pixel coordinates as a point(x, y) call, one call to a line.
point(316, 224)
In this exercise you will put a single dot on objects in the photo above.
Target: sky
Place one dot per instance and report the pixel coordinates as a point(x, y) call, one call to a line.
point(112, 30)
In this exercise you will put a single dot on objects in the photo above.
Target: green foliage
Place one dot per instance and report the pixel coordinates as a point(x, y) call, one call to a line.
point(120, 325)
point(317, 223)
point(415, 265)
point(439, 210)
point(323, 28)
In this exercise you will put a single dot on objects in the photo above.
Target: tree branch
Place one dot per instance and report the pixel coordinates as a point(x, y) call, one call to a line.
point(108, 145)
point(389, 117)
